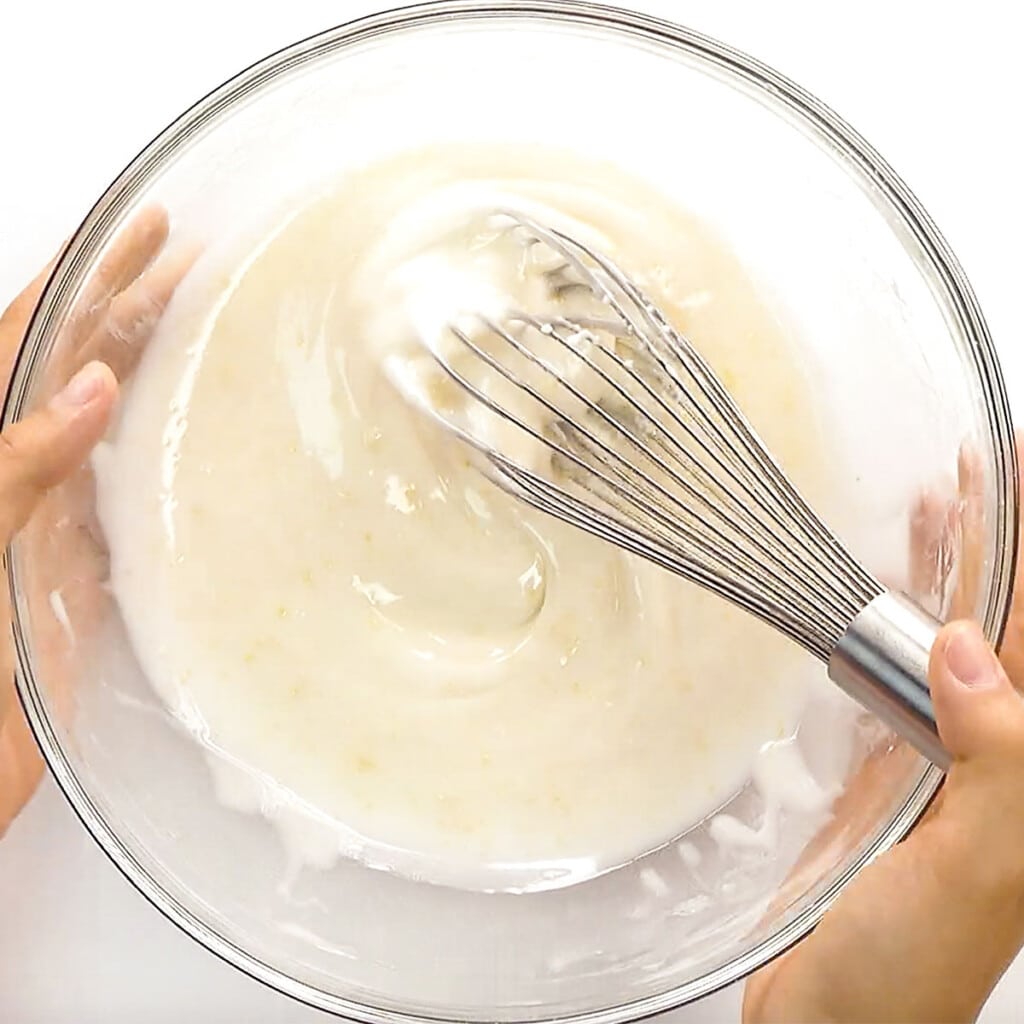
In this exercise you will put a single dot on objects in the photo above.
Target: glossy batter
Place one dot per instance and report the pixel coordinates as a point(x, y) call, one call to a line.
point(385, 655)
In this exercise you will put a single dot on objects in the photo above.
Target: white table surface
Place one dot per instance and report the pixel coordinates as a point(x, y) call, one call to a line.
point(83, 85)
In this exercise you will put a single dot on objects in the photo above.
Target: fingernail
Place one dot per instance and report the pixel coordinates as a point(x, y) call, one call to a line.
point(971, 660)
point(81, 389)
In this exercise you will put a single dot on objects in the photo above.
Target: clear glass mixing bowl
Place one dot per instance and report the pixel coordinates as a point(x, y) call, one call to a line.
point(898, 350)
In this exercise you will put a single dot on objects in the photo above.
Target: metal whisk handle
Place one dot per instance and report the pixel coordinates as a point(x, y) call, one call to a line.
point(882, 662)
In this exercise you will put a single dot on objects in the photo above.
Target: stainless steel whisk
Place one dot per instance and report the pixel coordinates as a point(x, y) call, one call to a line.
point(645, 448)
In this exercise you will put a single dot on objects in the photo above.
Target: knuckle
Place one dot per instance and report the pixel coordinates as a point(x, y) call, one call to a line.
point(10, 449)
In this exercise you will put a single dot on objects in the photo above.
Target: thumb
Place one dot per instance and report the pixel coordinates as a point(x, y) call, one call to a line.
point(974, 839)
point(979, 713)
point(49, 445)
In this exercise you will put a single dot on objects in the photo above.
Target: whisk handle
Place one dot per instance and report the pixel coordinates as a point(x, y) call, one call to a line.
point(882, 662)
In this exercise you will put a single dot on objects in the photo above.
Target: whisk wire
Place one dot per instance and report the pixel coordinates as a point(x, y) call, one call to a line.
point(641, 489)
point(539, 494)
point(693, 472)
point(636, 441)
point(774, 527)
point(825, 546)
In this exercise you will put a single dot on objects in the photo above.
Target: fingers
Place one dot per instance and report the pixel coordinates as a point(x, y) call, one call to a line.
point(924, 932)
point(42, 450)
point(971, 520)
point(933, 525)
point(975, 841)
point(948, 543)
point(15, 320)
point(18, 311)
point(979, 713)
point(1011, 653)
point(865, 800)
point(134, 250)
point(136, 246)
point(128, 258)
point(117, 312)
point(35, 454)
point(120, 305)
point(120, 336)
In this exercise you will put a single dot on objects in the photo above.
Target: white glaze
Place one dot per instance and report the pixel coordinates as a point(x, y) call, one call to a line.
point(386, 657)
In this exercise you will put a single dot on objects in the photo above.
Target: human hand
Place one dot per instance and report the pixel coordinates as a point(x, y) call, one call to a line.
point(924, 933)
point(120, 309)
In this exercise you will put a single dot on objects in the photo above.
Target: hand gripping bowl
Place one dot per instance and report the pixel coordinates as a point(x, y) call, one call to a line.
point(897, 348)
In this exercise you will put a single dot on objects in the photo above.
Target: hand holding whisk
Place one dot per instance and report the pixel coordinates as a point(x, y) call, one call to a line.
point(611, 421)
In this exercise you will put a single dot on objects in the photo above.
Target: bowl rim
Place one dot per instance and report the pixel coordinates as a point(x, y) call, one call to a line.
point(739, 68)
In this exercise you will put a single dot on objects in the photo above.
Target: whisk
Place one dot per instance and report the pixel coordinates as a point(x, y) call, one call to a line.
point(610, 420)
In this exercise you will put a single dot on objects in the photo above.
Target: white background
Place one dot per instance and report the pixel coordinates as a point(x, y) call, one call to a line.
point(936, 88)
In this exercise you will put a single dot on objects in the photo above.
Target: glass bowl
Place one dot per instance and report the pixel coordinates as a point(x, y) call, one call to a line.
point(893, 340)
